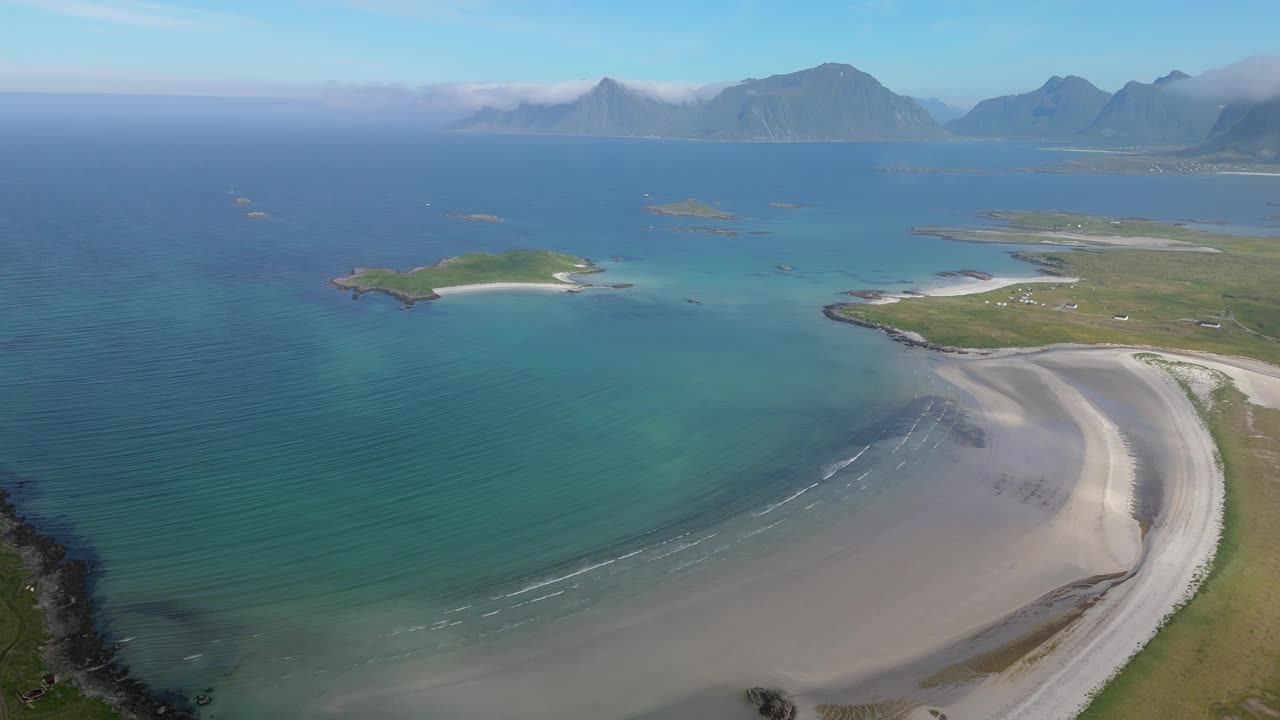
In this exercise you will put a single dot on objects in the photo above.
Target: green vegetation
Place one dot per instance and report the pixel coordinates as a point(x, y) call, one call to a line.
point(522, 266)
point(1164, 294)
point(22, 638)
point(1062, 228)
point(691, 208)
point(1219, 657)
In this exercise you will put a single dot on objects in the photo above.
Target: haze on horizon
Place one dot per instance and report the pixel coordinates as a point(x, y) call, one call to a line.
point(455, 57)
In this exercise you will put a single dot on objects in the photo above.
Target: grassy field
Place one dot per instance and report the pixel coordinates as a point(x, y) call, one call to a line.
point(1219, 657)
point(1038, 227)
point(1163, 293)
point(529, 266)
point(22, 639)
point(691, 208)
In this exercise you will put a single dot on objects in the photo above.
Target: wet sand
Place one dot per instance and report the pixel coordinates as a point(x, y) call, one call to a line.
point(943, 567)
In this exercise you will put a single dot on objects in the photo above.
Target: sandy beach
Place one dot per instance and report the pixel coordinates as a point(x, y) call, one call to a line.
point(971, 286)
point(1025, 519)
point(489, 287)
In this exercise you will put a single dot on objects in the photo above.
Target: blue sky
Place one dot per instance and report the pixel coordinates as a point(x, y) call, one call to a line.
point(959, 50)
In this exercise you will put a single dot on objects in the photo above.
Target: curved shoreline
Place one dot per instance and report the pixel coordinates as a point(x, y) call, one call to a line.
point(76, 649)
point(1178, 551)
point(1180, 546)
point(972, 286)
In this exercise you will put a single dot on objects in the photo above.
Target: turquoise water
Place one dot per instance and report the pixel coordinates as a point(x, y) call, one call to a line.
point(274, 480)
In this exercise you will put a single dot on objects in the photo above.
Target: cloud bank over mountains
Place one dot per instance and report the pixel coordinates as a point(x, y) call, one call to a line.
point(458, 99)
point(1253, 79)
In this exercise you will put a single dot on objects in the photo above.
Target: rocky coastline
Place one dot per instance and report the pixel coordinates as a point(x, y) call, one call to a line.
point(350, 282)
point(910, 339)
point(975, 274)
point(76, 650)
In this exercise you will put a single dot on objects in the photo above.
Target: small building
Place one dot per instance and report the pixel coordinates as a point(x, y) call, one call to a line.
point(1119, 317)
point(1209, 324)
point(1071, 306)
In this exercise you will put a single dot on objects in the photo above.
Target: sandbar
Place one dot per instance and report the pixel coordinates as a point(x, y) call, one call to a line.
point(971, 286)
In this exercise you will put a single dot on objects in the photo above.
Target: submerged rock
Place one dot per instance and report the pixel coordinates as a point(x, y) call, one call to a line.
point(771, 703)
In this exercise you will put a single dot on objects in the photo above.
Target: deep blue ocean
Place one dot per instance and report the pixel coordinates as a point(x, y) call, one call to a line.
point(275, 481)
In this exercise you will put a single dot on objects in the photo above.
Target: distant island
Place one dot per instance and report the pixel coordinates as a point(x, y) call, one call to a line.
point(477, 217)
point(1078, 229)
point(510, 270)
point(690, 208)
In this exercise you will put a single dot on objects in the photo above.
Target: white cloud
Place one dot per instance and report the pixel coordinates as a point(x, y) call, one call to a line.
point(1254, 78)
point(135, 13)
point(458, 99)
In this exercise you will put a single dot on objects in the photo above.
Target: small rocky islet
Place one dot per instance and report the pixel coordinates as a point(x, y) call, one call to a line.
point(691, 208)
point(477, 217)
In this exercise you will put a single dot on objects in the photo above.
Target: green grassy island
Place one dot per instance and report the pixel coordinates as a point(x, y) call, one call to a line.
point(690, 208)
point(516, 268)
point(1177, 287)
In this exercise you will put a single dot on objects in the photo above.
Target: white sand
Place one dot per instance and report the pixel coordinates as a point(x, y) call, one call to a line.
point(866, 609)
point(489, 287)
point(1179, 548)
point(1074, 239)
point(971, 286)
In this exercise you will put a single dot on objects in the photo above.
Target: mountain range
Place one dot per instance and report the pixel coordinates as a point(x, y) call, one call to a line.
point(831, 102)
point(837, 102)
point(1154, 113)
point(1251, 133)
point(941, 112)
point(1059, 109)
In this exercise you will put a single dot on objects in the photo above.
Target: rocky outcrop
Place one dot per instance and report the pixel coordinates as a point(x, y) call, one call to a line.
point(76, 650)
point(910, 339)
point(772, 704)
point(975, 274)
point(866, 294)
point(350, 282)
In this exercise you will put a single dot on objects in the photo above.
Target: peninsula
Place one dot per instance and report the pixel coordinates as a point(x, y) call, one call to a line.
point(1187, 331)
point(690, 208)
point(1216, 293)
point(1076, 229)
point(510, 270)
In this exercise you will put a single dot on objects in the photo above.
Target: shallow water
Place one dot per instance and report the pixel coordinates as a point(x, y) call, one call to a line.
point(275, 480)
